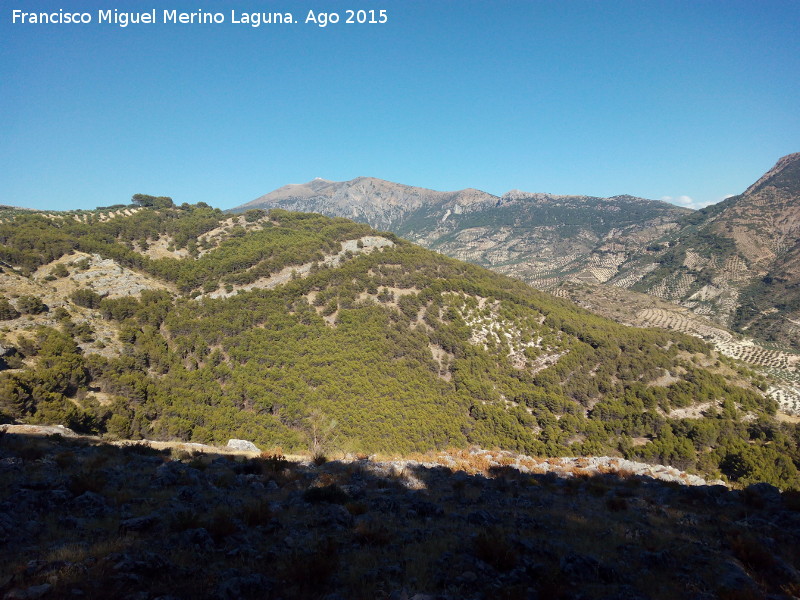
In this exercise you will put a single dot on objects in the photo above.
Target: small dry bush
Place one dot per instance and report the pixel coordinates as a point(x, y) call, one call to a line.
point(200, 463)
point(327, 479)
point(506, 472)
point(273, 462)
point(442, 459)
point(459, 487)
point(492, 547)
point(181, 454)
point(185, 519)
point(65, 459)
point(329, 493)
point(308, 571)
point(142, 449)
point(86, 481)
point(100, 457)
point(257, 512)
point(597, 486)
point(751, 551)
point(372, 532)
point(356, 508)
point(470, 462)
point(31, 452)
point(221, 524)
point(616, 504)
point(225, 479)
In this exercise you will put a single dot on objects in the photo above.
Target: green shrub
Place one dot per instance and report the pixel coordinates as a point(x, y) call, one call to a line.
point(31, 305)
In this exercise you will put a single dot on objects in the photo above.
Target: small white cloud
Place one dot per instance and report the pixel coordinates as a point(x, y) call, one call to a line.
point(686, 201)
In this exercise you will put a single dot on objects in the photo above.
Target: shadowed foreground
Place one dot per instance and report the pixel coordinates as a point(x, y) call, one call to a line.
point(81, 519)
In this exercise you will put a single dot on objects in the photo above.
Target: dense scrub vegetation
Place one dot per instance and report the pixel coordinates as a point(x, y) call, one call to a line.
point(397, 350)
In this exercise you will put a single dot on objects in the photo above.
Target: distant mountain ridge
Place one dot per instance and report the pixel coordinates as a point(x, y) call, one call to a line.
point(737, 262)
point(541, 238)
point(380, 203)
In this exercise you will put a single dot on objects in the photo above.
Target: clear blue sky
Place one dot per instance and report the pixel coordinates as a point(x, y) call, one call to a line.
point(651, 98)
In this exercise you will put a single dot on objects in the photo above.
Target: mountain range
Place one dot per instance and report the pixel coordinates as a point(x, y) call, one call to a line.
point(540, 238)
point(736, 262)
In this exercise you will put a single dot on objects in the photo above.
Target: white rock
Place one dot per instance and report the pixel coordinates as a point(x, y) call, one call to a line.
point(243, 445)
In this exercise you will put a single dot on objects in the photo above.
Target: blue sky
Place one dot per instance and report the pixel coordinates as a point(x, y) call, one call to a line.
point(685, 100)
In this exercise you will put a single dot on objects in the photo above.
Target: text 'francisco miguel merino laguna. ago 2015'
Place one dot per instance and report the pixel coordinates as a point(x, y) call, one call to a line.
point(198, 17)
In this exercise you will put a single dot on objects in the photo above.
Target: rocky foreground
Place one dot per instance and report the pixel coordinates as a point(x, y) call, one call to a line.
point(84, 519)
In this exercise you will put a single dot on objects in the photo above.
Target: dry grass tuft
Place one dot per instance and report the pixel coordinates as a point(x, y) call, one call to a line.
point(492, 547)
point(616, 504)
point(372, 532)
point(256, 512)
point(356, 508)
point(309, 571)
point(86, 481)
point(221, 524)
point(751, 551)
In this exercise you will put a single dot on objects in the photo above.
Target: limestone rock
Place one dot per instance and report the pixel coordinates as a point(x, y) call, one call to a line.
point(242, 445)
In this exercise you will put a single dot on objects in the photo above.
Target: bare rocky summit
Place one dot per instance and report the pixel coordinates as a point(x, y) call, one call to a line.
point(382, 204)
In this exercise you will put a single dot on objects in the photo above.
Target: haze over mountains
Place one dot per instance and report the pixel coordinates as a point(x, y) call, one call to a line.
point(735, 262)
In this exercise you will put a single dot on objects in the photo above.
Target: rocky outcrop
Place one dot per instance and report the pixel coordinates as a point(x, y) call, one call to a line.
point(242, 445)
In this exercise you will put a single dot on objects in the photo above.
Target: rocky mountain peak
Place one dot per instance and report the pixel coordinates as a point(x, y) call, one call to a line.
point(516, 194)
point(785, 174)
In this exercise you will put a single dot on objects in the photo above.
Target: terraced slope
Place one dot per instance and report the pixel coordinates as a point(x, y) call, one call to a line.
point(737, 262)
point(640, 310)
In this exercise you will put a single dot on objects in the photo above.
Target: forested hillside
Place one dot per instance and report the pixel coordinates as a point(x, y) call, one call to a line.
point(299, 330)
point(736, 262)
